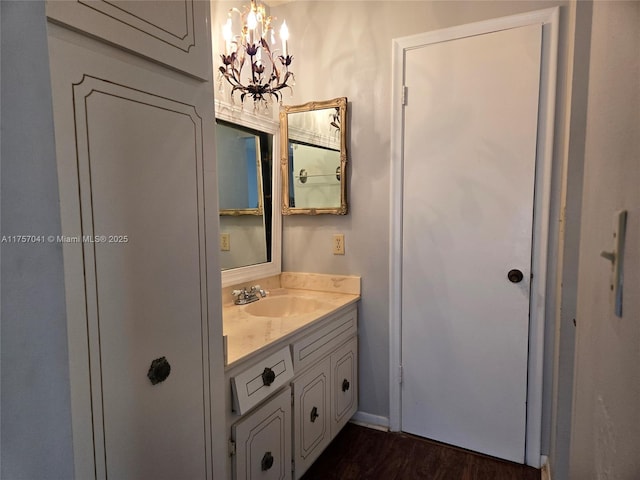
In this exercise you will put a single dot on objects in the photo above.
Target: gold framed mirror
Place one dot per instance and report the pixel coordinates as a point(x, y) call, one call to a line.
point(313, 158)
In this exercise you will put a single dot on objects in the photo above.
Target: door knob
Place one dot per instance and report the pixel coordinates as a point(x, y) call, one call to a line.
point(345, 385)
point(515, 276)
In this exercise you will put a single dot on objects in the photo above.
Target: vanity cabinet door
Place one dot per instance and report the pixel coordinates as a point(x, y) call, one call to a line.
point(263, 441)
point(312, 428)
point(344, 385)
point(171, 32)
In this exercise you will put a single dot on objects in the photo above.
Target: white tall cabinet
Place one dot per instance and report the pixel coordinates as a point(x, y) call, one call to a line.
point(133, 115)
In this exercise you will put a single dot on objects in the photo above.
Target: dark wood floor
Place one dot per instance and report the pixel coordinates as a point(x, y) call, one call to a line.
point(360, 453)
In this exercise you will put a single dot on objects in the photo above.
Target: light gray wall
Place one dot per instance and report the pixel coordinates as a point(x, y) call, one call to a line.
point(606, 423)
point(35, 415)
point(344, 49)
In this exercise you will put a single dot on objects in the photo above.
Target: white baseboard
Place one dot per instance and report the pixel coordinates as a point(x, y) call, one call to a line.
point(545, 470)
point(371, 421)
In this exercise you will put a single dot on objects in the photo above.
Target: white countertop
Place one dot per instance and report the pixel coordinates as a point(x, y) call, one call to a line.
point(247, 334)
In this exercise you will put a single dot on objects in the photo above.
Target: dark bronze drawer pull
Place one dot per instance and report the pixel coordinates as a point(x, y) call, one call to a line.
point(345, 385)
point(268, 376)
point(314, 414)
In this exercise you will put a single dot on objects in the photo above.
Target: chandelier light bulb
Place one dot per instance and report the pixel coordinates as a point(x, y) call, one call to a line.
point(252, 20)
point(226, 30)
point(284, 36)
point(228, 35)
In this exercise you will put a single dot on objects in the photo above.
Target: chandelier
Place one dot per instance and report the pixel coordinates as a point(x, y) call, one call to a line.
point(253, 63)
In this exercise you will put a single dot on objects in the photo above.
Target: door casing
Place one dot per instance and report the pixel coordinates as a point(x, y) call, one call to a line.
point(549, 19)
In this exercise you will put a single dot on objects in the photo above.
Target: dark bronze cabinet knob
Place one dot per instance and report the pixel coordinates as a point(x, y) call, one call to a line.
point(267, 462)
point(159, 370)
point(515, 276)
point(268, 376)
point(345, 385)
point(314, 414)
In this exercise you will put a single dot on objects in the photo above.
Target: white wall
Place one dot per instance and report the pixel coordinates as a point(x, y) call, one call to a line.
point(36, 412)
point(344, 49)
point(606, 423)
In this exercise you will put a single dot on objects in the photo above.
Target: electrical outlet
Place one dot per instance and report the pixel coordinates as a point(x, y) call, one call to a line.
point(338, 244)
point(225, 242)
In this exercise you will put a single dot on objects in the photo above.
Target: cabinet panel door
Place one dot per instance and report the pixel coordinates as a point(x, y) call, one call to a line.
point(344, 384)
point(134, 161)
point(263, 441)
point(169, 31)
point(312, 430)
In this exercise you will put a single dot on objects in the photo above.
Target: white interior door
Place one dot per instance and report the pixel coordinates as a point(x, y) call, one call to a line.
point(469, 169)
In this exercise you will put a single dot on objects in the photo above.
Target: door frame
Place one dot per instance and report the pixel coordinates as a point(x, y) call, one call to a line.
point(549, 19)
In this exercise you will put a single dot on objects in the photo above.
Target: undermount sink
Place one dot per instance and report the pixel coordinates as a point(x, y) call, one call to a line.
point(285, 306)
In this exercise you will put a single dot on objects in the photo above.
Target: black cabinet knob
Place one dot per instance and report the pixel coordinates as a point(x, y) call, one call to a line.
point(314, 414)
point(267, 462)
point(515, 276)
point(159, 370)
point(345, 385)
point(268, 376)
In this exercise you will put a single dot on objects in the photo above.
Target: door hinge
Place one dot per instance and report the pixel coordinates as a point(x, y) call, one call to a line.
point(292, 403)
point(232, 448)
point(400, 374)
point(403, 97)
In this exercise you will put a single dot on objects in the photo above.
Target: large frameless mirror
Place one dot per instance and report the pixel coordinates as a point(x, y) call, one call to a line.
point(313, 158)
point(246, 147)
point(239, 153)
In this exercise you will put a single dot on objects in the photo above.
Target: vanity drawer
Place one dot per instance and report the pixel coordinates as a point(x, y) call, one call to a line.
point(260, 380)
point(319, 343)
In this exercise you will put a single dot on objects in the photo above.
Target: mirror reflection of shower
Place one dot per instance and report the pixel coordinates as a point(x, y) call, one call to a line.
point(314, 172)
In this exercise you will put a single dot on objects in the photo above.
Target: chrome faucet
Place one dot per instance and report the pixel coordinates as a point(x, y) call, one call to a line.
point(244, 296)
